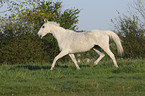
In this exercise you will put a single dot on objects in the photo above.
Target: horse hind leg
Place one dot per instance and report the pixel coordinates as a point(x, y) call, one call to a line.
point(101, 56)
point(108, 51)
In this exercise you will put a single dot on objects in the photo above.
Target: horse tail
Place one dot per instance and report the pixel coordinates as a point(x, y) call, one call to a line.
point(117, 41)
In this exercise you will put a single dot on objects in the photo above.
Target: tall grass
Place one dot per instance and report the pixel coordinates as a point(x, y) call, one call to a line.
point(102, 80)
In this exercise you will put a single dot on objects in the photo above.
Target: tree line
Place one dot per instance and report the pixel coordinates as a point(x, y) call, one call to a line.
point(19, 42)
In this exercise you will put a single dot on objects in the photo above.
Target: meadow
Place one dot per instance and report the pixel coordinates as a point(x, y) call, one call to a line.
point(35, 79)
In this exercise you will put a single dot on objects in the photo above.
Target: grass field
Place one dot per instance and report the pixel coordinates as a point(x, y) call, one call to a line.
point(65, 80)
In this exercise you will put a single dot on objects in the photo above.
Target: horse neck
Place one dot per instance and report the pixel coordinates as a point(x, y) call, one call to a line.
point(58, 32)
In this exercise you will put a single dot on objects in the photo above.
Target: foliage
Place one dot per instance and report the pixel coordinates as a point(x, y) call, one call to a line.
point(19, 42)
point(132, 35)
point(131, 30)
point(104, 80)
point(140, 8)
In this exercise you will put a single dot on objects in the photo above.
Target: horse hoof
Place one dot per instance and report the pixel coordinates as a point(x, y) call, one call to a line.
point(116, 66)
point(94, 65)
point(78, 68)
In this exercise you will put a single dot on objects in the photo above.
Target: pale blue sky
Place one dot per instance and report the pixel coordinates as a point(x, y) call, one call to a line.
point(97, 14)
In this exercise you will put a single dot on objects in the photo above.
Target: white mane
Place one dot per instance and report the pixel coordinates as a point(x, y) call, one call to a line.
point(55, 23)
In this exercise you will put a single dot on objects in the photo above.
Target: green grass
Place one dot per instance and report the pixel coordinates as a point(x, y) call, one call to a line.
point(66, 80)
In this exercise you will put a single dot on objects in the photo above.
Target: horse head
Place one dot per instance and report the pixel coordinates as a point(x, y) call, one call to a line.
point(45, 28)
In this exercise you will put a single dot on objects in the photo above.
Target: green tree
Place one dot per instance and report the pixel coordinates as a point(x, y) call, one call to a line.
point(19, 41)
point(131, 30)
point(132, 36)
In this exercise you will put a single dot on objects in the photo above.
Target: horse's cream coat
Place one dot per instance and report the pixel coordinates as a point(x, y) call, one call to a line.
point(72, 42)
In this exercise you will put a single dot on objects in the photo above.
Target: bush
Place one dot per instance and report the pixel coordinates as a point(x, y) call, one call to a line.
point(19, 42)
point(132, 34)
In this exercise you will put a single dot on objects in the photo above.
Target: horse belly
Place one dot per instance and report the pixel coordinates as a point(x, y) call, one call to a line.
point(81, 46)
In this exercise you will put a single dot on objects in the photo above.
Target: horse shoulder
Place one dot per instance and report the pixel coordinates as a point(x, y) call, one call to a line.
point(65, 42)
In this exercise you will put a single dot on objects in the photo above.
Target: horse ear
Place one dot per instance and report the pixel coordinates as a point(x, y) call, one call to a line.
point(45, 20)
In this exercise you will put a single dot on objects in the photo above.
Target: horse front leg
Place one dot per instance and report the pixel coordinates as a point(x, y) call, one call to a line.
point(60, 55)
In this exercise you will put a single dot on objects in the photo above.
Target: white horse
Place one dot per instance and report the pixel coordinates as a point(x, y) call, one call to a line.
point(72, 42)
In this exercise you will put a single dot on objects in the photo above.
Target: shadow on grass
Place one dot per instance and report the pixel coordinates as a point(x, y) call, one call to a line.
point(84, 66)
point(37, 67)
point(30, 67)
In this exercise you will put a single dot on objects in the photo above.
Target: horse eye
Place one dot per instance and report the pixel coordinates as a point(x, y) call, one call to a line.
point(43, 26)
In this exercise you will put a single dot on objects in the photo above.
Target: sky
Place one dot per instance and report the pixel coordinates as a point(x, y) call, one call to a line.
point(97, 14)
